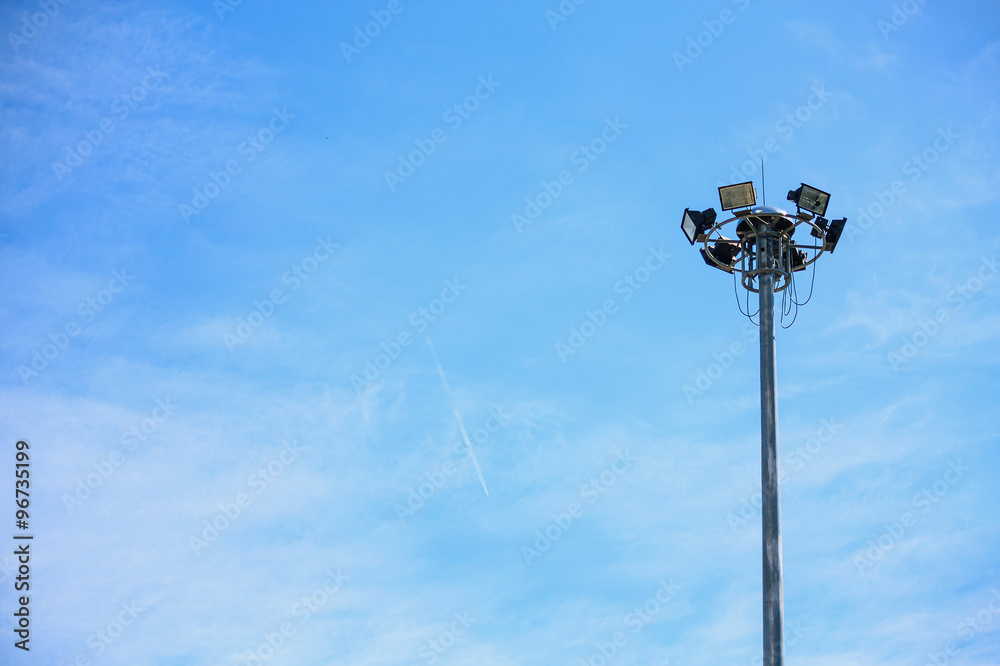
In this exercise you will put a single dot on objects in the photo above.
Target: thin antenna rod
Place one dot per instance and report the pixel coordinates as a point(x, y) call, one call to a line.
point(763, 187)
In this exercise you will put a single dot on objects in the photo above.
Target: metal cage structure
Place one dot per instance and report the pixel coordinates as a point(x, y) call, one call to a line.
point(755, 228)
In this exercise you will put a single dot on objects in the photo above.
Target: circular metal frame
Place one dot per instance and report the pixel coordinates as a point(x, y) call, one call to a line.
point(761, 219)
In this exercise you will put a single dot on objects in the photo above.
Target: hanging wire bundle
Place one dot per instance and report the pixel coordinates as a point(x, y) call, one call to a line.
point(748, 260)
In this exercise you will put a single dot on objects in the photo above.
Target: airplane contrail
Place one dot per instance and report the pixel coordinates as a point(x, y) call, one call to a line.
point(458, 417)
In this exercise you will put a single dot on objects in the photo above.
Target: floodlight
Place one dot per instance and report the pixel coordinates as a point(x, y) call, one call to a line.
point(740, 195)
point(796, 258)
point(833, 234)
point(810, 199)
point(820, 222)
point(723, 252)
point(709, 216)
point(695, 225)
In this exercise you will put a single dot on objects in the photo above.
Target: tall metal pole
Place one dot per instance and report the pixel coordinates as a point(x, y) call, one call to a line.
point(774, 651)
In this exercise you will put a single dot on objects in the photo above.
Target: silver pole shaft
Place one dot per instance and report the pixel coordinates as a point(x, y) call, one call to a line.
point(774, 651)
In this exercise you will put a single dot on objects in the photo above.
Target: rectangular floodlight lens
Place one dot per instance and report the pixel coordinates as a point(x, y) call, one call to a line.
point(813, 200)
point(741, 195)
point(690, 224)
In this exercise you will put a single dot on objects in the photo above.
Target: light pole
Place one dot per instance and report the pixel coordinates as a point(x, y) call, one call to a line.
point(774, 645)
point(766, 259)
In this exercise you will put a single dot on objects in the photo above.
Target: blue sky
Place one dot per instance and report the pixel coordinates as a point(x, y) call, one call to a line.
point(229, 232)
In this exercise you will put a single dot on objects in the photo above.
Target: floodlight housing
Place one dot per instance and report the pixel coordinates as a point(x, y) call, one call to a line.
point(724, 253)
point(796, 258)
point(833, 234)
point(695, 225)
point(740, 195)
point(820, 222)
point(809, 198)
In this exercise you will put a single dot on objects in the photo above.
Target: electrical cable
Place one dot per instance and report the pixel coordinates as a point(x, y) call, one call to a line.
point(812, 283)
